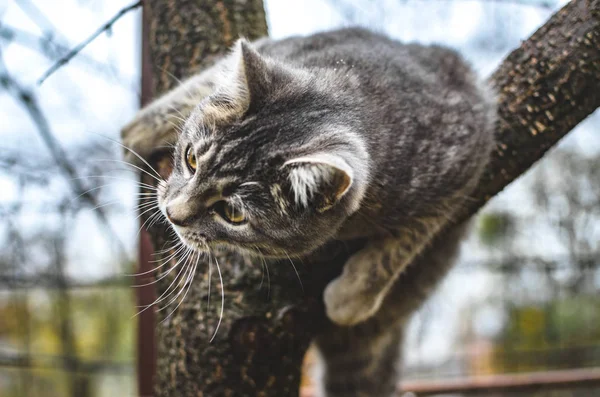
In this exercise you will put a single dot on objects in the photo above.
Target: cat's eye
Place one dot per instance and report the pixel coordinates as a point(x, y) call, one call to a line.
point(190, 159)
point(230, 213)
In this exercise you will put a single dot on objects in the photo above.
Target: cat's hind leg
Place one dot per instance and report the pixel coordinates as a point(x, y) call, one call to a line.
point(362, 361)
point(365, 360)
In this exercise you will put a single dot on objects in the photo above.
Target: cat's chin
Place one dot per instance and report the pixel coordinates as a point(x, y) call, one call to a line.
point(204, 247)
point(253, 251)
point(195, 243)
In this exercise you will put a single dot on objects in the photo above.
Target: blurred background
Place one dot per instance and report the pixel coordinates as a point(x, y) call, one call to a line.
point(524, 297)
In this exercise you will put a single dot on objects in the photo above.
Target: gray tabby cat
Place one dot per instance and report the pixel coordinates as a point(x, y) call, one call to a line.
point(340, 135)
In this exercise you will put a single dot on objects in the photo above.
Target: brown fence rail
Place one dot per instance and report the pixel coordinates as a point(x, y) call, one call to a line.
point(526, 382)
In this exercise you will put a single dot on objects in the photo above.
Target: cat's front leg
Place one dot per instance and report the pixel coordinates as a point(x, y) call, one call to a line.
point(357, 293)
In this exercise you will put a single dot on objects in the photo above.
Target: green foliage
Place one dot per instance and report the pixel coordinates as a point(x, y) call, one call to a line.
point(564, 333)
point(494, 227)
point(96, 354)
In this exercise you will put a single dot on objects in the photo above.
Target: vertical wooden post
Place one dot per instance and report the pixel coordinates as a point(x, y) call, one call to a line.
point(146, 331)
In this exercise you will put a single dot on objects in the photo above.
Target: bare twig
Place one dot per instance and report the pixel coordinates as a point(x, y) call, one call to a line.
point(53, 50)
point(29, 102)
point(38, 17)
point(107, 26)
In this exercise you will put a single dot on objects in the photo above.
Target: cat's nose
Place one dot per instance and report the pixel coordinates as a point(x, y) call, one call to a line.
point(178, 219)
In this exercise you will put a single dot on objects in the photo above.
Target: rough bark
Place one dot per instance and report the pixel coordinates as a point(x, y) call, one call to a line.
point(546, 87)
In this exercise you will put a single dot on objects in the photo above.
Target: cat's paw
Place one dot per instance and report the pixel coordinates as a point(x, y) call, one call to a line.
point(346, 303)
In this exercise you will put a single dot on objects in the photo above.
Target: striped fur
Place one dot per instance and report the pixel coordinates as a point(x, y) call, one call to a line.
point(340, 135)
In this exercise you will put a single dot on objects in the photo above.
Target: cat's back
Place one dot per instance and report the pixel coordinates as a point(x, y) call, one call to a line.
point(326, 49)
point(371, 56)
point(426, 117)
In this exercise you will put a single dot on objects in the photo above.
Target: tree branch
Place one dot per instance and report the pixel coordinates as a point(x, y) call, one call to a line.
point(106, 27)
point(546, 87)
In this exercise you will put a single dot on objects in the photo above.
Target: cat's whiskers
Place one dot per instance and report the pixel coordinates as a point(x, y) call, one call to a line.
point(168, 291)
point(181, 118)
point(222, 299)
point(265, 266)
point(180, 285)
point(158, 218)
point(147, 208)
point(188, 281)
point(164, 262)
point(167, 146)
point(154, 214)
point(177, 127)
point(88, 191)
point(145, 201)
point(159, 179)
point(137, 183)
point(153, 219)
point(145, 197)
point(164, 251)
point(117, 201)
point(162, 276)
point(178, 245)
point(179, 81)
point(148, 201)
point(210, 255)
point(296, 270)
point(144, 208)
point(145, 205)
point(103, 205)
point(132, 152)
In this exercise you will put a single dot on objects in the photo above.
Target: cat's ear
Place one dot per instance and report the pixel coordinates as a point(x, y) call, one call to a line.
point(320, 180)
point(245, 82)
point(255, 73)
point(242, 84)
point(256, 77)
point(241, 75)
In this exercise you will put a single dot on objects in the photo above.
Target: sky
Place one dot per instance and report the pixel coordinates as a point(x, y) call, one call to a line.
point(81, 102)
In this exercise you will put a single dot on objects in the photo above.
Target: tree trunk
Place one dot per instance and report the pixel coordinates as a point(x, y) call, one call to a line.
point(546, 87)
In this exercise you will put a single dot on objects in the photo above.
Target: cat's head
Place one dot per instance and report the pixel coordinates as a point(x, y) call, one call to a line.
point(270, 163)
